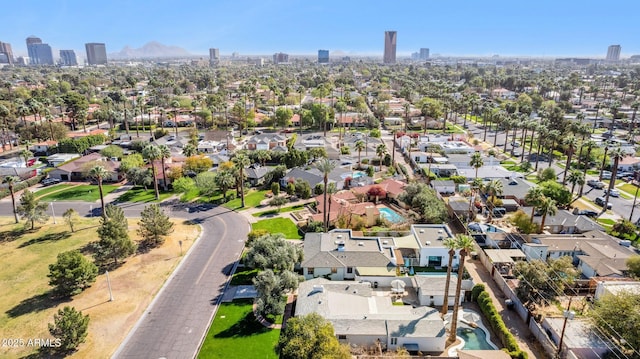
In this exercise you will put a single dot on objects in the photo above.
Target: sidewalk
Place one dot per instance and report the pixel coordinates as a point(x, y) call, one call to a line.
point(511, 319)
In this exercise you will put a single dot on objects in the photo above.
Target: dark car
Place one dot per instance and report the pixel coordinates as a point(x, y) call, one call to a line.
point(600, 202)
point(595, 184)
point(588, 213)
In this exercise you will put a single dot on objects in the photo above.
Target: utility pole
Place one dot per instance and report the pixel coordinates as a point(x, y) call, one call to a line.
point(568, 314)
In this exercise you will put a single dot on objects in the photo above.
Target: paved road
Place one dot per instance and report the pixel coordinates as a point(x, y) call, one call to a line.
point(174, 324)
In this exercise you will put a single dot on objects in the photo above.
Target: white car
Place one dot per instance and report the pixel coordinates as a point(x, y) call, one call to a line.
point(606, 174)
point(613, 193)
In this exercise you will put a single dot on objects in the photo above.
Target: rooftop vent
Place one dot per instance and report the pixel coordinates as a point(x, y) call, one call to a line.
point(422, 231)
point(339, 236)
point(440, 238)
point(361, 244)
point(440, 231)
point(428, 243)
point(385, 242)
point(318, 288)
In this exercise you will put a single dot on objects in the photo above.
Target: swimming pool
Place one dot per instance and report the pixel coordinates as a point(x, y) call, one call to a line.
point(358, 174)
point(390, 215)
point(475, 339)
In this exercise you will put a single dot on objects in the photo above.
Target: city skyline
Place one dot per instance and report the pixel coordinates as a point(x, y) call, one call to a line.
point(296, 27)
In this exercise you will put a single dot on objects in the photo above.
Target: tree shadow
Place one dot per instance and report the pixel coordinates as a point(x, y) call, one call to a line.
point(11, 234)
point(47, 237)
point(245, 327)
point(37, 303)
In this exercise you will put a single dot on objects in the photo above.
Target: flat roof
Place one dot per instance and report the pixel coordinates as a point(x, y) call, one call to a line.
point(504, 255)
point(431, 235)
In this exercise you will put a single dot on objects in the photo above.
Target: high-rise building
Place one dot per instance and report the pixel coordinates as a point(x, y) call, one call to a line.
point(39, 53)
point(6, 54)
point(280, 58)
point(390, 39)
point(96, 53)
point(214, 56)
point(613, 53)
point(68, 58)
point(323, 56)
point(424, 53)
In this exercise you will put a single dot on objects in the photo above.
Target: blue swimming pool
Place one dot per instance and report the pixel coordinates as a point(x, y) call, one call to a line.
point(390, 215)
point(475, 339)
point(358, 174)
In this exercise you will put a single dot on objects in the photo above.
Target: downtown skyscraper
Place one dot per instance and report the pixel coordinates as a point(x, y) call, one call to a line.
point(613, 53)
point(390, 39)
point(96, 53)
point(39, 53)
point(6, 53)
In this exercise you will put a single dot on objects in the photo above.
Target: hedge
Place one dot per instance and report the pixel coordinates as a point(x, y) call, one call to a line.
point(497, 324)
point(22, 185)
point(476, 290)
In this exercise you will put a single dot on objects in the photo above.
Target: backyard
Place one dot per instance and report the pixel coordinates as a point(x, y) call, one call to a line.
point(279, 225)
point(26, 305)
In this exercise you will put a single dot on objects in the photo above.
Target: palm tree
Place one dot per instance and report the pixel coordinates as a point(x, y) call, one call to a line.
point(241, 161)
point(263, 156)
point(617, 154)
point(571, 142)
point(465, 245)
point(547, 207)
point(493, 188)
point(359, 146)
point(175, 104)
point(533, 198)
point(152, 153)
point(476, 162)
point(165, 153)
point(381, 150)
point(11, 181)
point(589, 145)
point(99, 173)
point(225, 180)
point(575, 177)
point(189, 150)
point(325, 166)
point(452, 245)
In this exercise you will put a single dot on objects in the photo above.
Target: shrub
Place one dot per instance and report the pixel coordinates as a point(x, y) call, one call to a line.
point(275, 188)
point(476, 290)
point(496, 322)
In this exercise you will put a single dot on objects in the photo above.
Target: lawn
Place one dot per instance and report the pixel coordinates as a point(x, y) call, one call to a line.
point(279, 225)
point(629, 188)
point(282, 210)
point(26, 306)
point(244, 277)
point(87, 193)
point(140, 195)
point(235, 333)
point(251, 199)
point(47, 190)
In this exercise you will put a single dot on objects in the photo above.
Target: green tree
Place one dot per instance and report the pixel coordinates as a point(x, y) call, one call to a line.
point(533, 198)
point(241, 161)
point(112, 151)
point(76, 105)
point(99, 173)
point(540, 282)
point(465, 246)
point(381, 150)
point(70, 216)
point(72, 273)
point(165, 153)
point(325, 167)
point(283, 116)
point(225, 180)
point(576, 177)
point(114, 242)
point(154, 225)
point(183, 185)
point(546, 207)
point(278, 201)
point(523, 222)
point(547, 174)
point(70, 327)
point(633, 265)
point(310, 337)
point(262, 156)
point(424, 201)
point(206, 183)
point(11, 182)
point(571, 143)
point(359, 146)
point(271, 287)
point(493, 189)
point(623, 227)
point(152, 154)
point(275, 188)
point(189, 150)
point(556, 191)
point(476, 162)
point(128, 162)
point(31, 209)
point(618, 316)
point(273, 252)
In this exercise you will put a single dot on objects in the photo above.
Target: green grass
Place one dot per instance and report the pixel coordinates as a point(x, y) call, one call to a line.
point(235, 333)
point(87, 193)
point(190, 196)
point(251, 199)
point(279, 225)
point(244, 277)
point(629, 188)
point(275, 211)
point(607, 222)
point(47, 190)
point(140, 195)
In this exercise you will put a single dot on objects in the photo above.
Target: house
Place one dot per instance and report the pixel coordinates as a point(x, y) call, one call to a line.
point(339, 255)
point(430, 289)
point(440, 170)
point(362, 317)
point(515, 189)
point(629, 164)
point(60, 158)
point(444, 187)
point(426, 242)
point(392, 187)
point(566, 222)
point(255, 174)
point(343, 204)
point(76, 170)
point(43, 147)
point(489, 173)
point(458, 206)
point(267, 141)
point(312, 176)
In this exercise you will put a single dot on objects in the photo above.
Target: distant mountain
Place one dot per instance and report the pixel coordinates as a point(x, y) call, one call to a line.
point(150, 50)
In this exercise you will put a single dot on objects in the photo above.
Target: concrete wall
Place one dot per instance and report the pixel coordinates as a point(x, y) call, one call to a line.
point(321, 272)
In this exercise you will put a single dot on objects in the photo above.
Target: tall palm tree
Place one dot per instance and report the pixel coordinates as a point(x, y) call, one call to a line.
point(165, 153)
point(11, 181)
point(381, 150)
point(325, 166)
point(99, 173)
point(175, 104)
point(451, 244)
point(241, 161)
point(476, 162)
point(616, 154)
point(152, 154)
point(225, 180)
point(533, 198)
point(571, 143)
point(359, 146)
point(263, 156)
point(589, 145)
point(465, 245)
point(493, 188)
point(576, 177)
point(547, 207)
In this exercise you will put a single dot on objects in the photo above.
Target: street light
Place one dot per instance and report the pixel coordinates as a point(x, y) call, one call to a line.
point(53, 214)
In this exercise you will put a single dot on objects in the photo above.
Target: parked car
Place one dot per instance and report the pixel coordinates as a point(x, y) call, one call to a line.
point(588, 213)
point(595, 184)
point(600, 202)
point(50, 181)
point(499, 212)
point(613, 193)
point(606, 174)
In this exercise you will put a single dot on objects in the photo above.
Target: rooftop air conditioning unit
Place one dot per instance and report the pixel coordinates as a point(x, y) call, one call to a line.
point(440, 231)
point(385, 242)
point(440, 238)
point(428, 243)
point(422, 231)
point(339, 236)
point(361, 244)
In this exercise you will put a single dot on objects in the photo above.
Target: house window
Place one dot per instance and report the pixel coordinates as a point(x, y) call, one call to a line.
point(394, 341)
point(349, 270)
point(310, 271)
point(342, 337)
point(334, 270)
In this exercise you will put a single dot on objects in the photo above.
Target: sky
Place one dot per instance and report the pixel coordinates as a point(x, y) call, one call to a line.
point(349, 27)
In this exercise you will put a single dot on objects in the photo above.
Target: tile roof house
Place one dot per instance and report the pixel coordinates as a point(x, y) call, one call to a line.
point(361, 317)
point(342, 204)
point(76, 170)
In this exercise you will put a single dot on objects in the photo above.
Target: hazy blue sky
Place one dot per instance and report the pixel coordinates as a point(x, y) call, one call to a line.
point(514, 27)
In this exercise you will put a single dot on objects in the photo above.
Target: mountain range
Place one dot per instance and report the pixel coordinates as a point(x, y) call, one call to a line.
point(150, 50)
